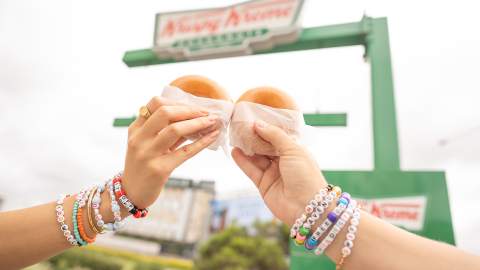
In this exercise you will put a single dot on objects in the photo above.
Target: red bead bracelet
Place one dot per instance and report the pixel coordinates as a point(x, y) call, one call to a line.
point(121, 196)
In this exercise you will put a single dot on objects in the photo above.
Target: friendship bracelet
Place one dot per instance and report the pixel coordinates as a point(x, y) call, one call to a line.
point(121, 195)
point(348, 244)
point(96, 201)
point(75, 225)
point(309, 209)
point(331, 219)
point(118, 223)
point(61, 220)
point(303, 232)
point(340, 223)
point(90, 210)
point(79, 203)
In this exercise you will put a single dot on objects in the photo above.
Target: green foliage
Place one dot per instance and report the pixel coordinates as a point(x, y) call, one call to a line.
point(235, 249)
point(99, 258)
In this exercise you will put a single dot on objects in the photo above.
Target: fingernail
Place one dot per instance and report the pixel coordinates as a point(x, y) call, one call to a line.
point(205, 112)
point(260, 124)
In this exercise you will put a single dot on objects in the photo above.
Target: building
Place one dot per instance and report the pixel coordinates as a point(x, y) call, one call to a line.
point(179, 219)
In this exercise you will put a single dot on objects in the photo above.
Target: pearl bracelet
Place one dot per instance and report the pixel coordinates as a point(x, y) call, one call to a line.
point(348, 244)
point(340, 223)
point(61, 220)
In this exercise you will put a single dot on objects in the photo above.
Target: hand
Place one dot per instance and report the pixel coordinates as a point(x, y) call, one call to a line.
point(286, 183)
point(153, 146)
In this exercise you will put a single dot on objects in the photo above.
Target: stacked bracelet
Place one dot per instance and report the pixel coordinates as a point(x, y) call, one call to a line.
point(332, 217)
point(311, 207)
point(81, 227)
point(339, 224)
point(121, 195)
point(61, 220)
point(304, 231)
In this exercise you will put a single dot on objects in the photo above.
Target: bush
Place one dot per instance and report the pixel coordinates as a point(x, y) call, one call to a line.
point(235, 249)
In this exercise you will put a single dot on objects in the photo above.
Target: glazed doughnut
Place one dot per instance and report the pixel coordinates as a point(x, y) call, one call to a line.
point(276, 108)
point(269, 96)
point(201, 86)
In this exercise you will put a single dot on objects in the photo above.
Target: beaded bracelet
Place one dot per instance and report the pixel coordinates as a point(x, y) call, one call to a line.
point(118, 223)
point(304, 231)
point(340, 223)
point(332, 217)
point(348, 244)
point(121, 195)
point(96, 201)
point(61, 220)
point(76, 219)
point(314, 204)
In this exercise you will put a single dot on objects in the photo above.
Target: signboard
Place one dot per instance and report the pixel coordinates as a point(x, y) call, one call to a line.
point(235, 30)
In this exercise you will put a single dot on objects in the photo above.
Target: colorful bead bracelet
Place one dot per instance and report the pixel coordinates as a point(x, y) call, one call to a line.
point(331, 219)
point(121, 195)
point(339, 224)
point(304, 231)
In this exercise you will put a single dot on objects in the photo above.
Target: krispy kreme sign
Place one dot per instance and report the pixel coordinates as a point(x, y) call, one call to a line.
point(406, 212)
point(235, 30)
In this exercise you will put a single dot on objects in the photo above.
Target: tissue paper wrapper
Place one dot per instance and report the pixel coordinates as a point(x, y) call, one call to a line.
point(243, 136)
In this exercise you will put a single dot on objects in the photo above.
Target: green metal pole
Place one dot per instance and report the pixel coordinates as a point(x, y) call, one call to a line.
point(385, 139)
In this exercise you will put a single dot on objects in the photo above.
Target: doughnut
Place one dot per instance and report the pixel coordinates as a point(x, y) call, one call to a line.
point(242, 134)
point(201, 86)
point(269, 96)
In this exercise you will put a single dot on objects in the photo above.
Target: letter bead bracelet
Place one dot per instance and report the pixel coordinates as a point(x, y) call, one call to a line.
point(346, 209)
point(61, 220)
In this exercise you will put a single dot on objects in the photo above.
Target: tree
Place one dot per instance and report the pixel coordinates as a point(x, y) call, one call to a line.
point(235, 249)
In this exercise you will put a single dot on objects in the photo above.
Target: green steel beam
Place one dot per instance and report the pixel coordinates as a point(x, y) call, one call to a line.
point(317, 120)
point(386, 153)
point(310, 38)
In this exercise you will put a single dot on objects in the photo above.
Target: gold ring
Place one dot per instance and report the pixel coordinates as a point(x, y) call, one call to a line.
point(145, 112)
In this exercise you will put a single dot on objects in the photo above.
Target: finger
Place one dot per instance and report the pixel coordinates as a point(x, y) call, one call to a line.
point(168, 136)
point(178, 143)
point(154, 103)
point(276, 136)
point(247, 166)
point(187, 151)
point(167, 114)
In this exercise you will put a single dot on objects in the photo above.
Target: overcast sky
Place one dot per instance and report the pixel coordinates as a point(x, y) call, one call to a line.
point(62, 82)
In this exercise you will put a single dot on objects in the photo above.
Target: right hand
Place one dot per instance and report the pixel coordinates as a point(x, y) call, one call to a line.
point(286, 183)
point(153, 146)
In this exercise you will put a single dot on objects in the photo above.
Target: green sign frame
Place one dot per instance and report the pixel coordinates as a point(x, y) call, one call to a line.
point(386, 180)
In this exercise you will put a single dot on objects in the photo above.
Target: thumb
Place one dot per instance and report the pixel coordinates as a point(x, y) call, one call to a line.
point(274, 135)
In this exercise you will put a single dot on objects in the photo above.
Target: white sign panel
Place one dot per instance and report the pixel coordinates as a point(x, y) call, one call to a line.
point(235, 30)
point(406, 212)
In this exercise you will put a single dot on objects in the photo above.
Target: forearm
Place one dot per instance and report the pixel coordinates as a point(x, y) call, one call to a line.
point(33, 234)
point(380, 245)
